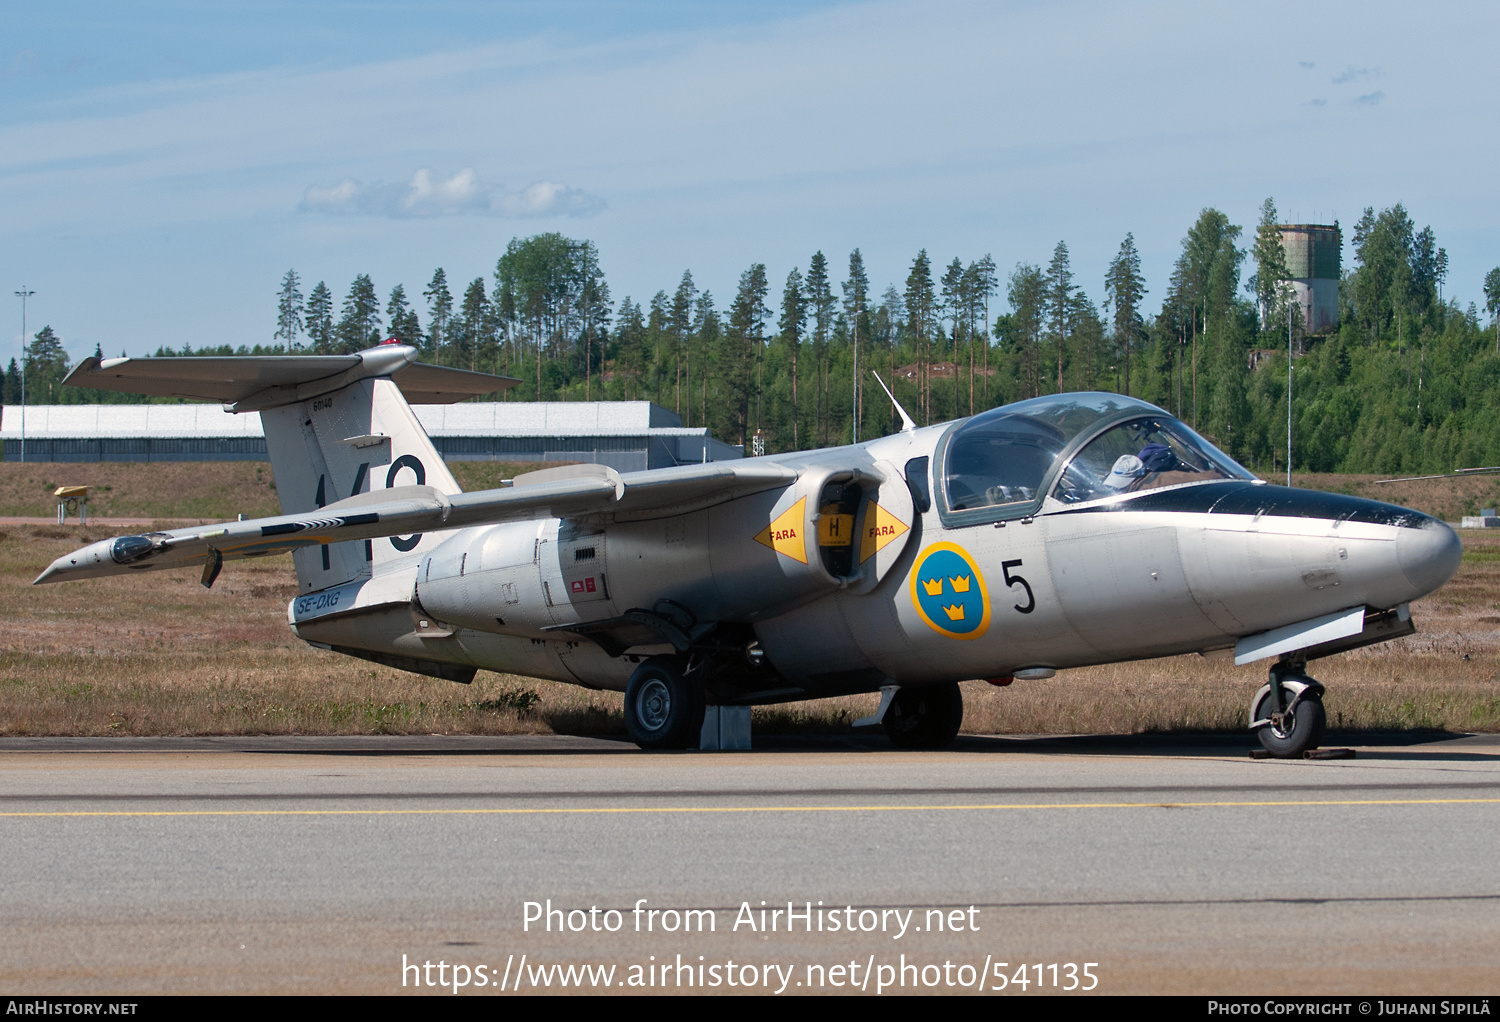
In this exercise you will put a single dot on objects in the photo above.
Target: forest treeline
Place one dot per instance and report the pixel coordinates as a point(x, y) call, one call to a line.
point(1408, 383)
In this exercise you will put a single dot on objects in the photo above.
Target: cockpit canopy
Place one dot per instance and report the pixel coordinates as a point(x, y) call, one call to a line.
point(1002, 458)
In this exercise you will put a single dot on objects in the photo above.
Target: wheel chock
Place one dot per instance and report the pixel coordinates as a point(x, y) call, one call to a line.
point(1309, 754)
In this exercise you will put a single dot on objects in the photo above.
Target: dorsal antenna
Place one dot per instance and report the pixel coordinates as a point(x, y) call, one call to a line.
point(906, 424)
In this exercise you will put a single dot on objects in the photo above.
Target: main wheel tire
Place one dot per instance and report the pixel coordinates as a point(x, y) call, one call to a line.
point(1299, 732)
point(663, 710)
point(925, 716)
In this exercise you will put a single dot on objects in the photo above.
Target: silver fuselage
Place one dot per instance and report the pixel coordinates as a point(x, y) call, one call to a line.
point(1186, 568)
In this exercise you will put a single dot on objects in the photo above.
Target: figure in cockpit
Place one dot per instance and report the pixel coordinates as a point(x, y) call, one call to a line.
point(1156, 465)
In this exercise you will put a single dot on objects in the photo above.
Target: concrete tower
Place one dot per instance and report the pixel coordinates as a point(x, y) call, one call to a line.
point(1313, 253)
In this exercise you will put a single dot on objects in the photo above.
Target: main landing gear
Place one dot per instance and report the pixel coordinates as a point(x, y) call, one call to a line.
point(663, 710)
point(924, 716)
point(1287, 713)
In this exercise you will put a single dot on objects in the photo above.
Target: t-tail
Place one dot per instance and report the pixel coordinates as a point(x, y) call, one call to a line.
point(336, 426)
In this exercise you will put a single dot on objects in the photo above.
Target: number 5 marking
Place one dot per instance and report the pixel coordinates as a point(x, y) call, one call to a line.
point(1011, 580)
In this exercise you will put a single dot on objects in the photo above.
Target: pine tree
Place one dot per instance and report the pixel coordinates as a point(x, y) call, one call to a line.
point(953, 297)
point(1492, 301)
point(656, 328)
point(746, 334)
point(360, 325)
point(706, 330)
point(320, 319)
point(439, 312)
point(856, 301)
point(289, 311)
point(893, 311)
point(403, 318)
point(1205, 280)
point(1429, 266)
point(593, 312)
point(920, 311)
point(968, 300)
point(537, 284)
point(820, 302)
point(681, 325)
point(473, 325)
point(11, 395)
point(1088, 336)
point(986, 283)
point(1400, 271)
point(1060, 303)
point(46, 365)
point(630, 349)
point(793, 319)
point(1124, 288)
point(1027, 294)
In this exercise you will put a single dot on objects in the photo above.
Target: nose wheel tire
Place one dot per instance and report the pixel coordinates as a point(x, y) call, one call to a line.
point(663, 710)
point(1294, 731)
point(925, 716)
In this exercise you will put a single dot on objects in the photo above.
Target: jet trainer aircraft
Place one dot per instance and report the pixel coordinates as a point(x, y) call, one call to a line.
point(1075, 529)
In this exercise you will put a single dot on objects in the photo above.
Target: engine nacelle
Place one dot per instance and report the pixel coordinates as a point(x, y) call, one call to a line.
point(489, 579)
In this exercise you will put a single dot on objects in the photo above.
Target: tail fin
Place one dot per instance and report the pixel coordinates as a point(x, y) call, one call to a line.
point(354, 440)
point(335, 426)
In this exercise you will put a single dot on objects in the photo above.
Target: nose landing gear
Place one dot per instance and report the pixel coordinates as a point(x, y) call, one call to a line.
point(1287, 713)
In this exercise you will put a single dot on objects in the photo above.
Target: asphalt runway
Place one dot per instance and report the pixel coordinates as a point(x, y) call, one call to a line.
point(314, 865)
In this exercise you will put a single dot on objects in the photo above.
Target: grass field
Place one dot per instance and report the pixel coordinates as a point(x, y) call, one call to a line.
point(217, 490)
point(160, 655)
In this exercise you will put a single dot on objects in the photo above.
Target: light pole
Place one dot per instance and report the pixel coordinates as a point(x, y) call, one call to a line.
point(1289, 388)
point(23, 294)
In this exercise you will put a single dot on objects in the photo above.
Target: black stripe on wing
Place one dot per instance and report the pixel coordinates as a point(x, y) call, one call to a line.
point(340, 522)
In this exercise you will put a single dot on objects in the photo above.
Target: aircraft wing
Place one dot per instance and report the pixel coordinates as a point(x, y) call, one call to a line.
point(572, 491)
point(252, 382)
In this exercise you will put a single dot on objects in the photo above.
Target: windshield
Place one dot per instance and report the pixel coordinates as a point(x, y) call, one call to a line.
point(1143, 454)
point(1001, 457)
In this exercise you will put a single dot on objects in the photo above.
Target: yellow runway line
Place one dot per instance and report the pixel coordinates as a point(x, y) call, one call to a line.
point(601, 810)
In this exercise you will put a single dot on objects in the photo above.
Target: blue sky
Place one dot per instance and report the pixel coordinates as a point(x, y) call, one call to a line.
point(163, 164)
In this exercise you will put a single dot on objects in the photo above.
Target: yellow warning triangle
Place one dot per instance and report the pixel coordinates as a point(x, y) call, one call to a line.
point(785, 534)
point(880, 528)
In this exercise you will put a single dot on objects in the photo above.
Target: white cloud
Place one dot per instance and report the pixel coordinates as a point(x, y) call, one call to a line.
point(341, 197)
point(463, 194)
point(548, 198)
point(1371, 98)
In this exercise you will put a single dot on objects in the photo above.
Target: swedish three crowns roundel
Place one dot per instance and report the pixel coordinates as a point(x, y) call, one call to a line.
point(949, 592)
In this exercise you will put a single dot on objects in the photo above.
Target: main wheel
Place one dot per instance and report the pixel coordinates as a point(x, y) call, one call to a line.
point(663, 710)
point(925, 716)
point(1298, 731)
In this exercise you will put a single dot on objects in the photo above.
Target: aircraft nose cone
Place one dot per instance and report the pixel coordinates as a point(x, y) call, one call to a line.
point(1429, 554)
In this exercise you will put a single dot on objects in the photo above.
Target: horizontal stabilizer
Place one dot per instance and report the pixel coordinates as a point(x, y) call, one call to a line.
point(252, 383)
point(405, 510)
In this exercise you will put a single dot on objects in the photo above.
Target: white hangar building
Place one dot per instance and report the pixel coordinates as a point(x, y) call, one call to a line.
point(625, 435)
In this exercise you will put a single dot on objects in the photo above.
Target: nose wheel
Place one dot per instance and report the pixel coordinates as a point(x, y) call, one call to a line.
point(1287, 713)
